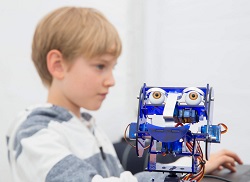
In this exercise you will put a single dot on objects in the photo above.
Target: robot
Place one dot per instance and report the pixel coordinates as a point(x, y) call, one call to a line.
point(166, 116)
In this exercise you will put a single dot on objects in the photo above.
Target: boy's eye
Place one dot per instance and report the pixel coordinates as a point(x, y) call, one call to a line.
point(100, 66)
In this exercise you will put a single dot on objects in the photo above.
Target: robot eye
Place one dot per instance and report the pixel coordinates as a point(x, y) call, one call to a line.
point(193, 95)
point(156, 97)
point(193, 98)
point(157, 94)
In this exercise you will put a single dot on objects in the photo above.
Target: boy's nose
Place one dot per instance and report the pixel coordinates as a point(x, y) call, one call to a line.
point(110, 81)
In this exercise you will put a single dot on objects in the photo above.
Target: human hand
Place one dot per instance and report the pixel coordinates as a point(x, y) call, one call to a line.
point(222, 159)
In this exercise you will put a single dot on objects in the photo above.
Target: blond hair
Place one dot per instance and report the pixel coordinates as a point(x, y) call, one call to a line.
point(74, 31)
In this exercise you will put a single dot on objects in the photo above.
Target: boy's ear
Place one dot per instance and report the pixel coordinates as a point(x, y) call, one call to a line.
point(55, 64)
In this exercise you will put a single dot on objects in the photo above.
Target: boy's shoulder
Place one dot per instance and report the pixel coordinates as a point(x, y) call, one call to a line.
point(47, 112)
point(43, 114)
point(37, 117)
point(33, 120)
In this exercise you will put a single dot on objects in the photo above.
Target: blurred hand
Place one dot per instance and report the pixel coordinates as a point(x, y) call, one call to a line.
point(222, 159)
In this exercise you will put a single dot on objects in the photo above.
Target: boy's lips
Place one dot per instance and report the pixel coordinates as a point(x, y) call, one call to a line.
point(103, 95)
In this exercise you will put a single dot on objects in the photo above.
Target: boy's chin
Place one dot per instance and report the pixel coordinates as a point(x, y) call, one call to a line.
point(93, 108)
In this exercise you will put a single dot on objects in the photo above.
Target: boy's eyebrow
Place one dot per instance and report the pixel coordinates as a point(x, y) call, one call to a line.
point(107, 61)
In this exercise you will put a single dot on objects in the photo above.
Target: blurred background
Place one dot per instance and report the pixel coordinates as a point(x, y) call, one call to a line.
point(165, 43)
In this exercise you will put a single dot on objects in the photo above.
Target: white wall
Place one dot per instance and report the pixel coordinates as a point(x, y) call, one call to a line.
point(166, 43)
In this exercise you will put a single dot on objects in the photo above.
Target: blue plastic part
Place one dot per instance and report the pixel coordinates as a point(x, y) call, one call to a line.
point(172, 147)
point(132, 130)
point(167, 134)
point(214, 133)
point(151, 166)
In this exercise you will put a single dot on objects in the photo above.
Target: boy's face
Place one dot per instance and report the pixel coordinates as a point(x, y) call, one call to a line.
point(87, 81)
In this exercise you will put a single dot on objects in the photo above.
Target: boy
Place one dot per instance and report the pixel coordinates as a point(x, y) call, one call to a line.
point(74, 51)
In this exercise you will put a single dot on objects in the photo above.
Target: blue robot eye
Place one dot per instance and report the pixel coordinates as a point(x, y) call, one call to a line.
point(193, 98)
point(156, 97)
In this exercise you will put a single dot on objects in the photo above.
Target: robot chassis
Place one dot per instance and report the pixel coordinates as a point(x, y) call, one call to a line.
point(165, 118)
